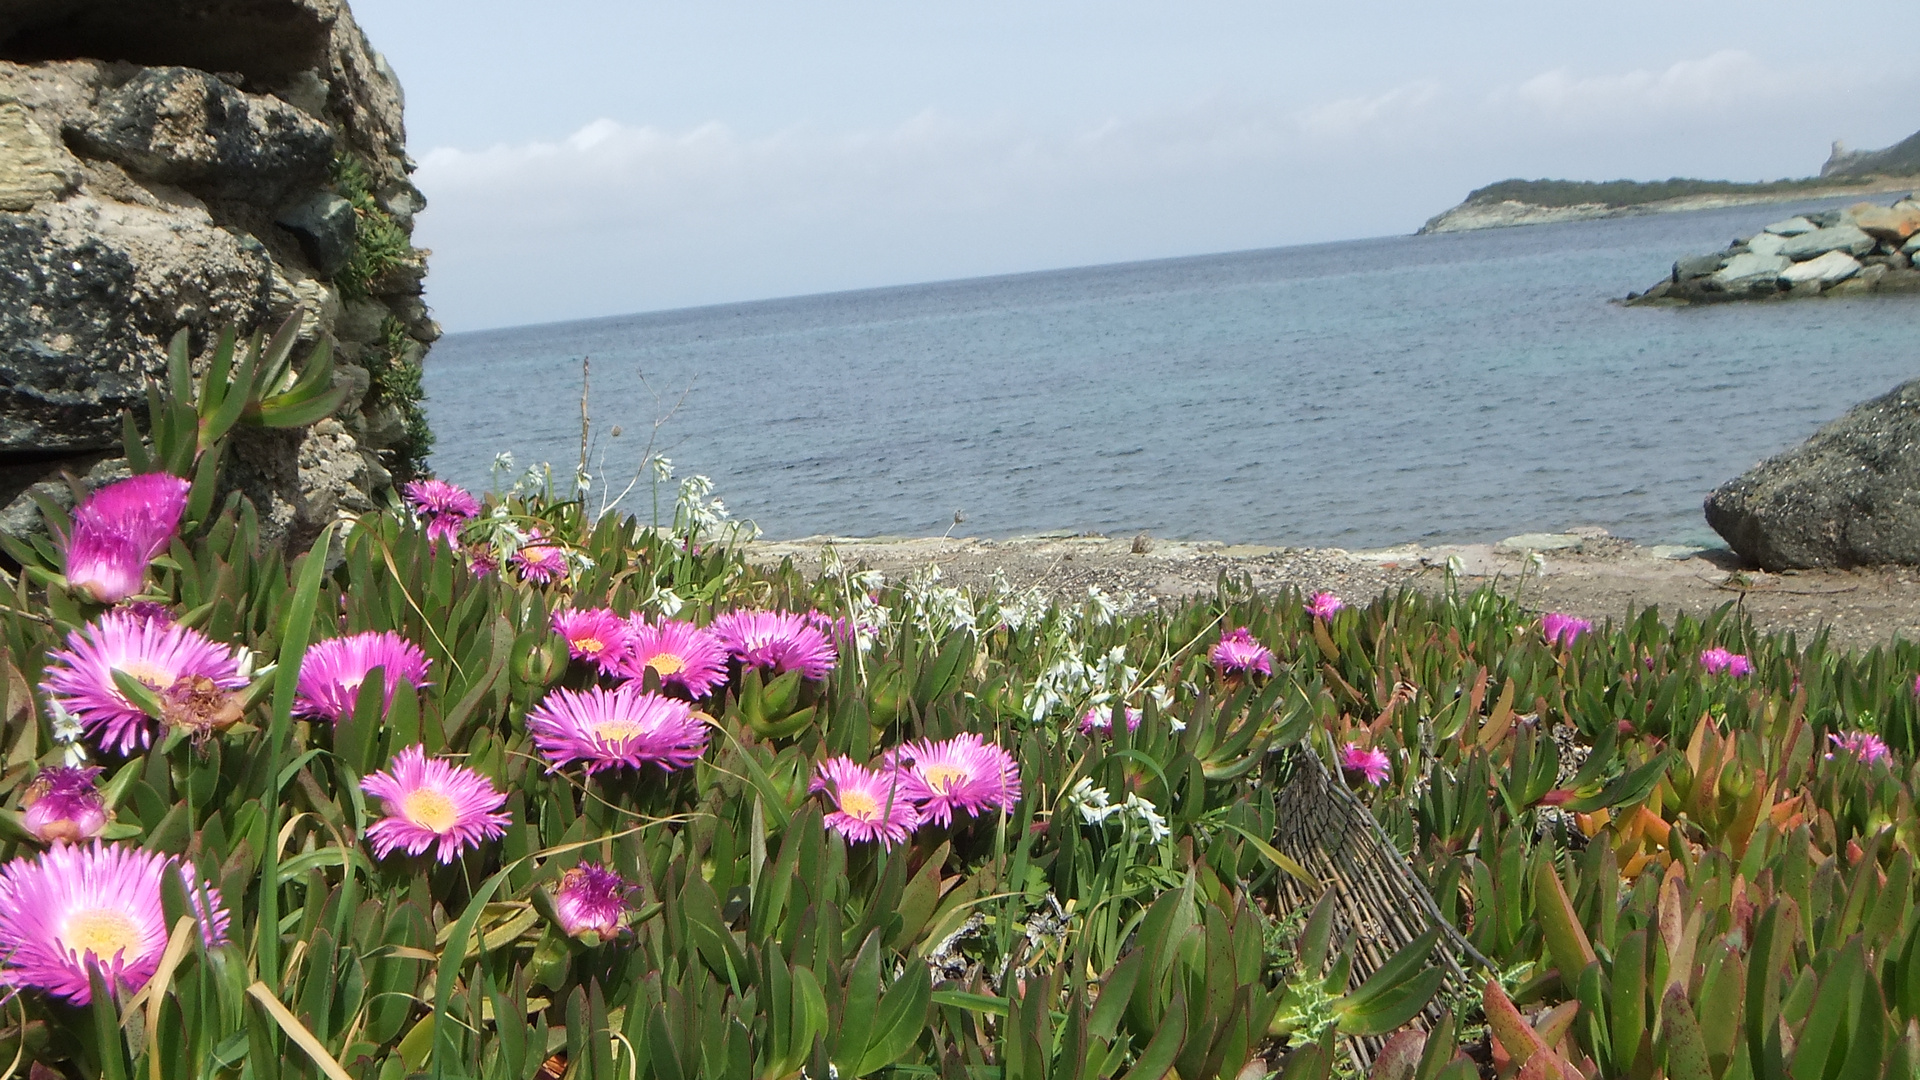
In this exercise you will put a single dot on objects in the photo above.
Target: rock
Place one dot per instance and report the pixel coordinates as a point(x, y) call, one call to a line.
point(1746, 269)
point(1698, 266)
point(1870, 275)
point(1889, 224)
point(34, 166)
point(1767, 244)
point(1828, 269)
point(1793, 226)
point(1845, 238)
point(1540, 542)
point(325, 224)
point(1848, 496)
point(1912, 245)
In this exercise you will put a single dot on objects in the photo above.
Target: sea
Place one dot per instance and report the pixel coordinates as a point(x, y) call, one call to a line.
point(1451, 388)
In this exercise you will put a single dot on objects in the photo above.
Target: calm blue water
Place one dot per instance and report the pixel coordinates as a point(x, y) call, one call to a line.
point(1445, 388)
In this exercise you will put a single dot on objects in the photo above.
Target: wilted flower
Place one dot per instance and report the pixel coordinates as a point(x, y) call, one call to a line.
point(331, 671)
point(430, 801)
point(79, 907)
point(1563, 630)
point(169, 657)
point(118, 530)
point(442, 507)
point(595, 635)
point(623, 726)
point(963, 773)
point(1370, 764)
point(776, 641)
point(539, 560)
point(869, 805)
point(62, 803)
point(1324, 605)
point(1100, 718)
point(1238, 654)
point(679, 654)
point(482, 559)
point(1717, 660)
point(1863, 745)
point(591, 899)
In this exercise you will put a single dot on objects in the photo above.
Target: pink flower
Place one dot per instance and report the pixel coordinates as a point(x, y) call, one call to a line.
point(1100, 718)
point(1324, 605)
point(964, 773)
point(623, 726)
point(331, 671)
point(164, 657)
point(1866, 747)
point(592, 899)
point(595, 635)
point(1238, 654)
point(776, 641)
point(442, 507)
point(1563, 630)
point(62, 803)
point(679, 654)
point(1717, 660)
point(428, 802)
point(118, 530)
point(1373, 765)
point(869, 805)
point(538, 560)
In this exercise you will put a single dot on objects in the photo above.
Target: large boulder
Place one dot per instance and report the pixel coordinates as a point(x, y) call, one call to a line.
point(1848, 496)
point(1891, 224)
point(1828, 269)
point(1845, 238)
point(1749, 269)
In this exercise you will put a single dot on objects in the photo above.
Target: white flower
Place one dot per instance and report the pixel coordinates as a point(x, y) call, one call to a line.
point(1092, 802)
point(1148, 815)
point(665, 601)
point(662, 468)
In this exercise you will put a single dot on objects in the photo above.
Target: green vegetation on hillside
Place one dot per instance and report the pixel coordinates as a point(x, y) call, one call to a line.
point(1626, 192)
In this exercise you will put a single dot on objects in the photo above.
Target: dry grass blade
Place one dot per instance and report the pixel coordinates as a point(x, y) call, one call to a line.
point(297, 1031)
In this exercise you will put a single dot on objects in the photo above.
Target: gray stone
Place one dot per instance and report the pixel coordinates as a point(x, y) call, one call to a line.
point(1828, 269)
point(261, 39)
point(1698, 266)
point(1845, 238)
point(1767, 243)
point(1912, 245)
point(325, 224)
point(1849, 496)
point(1793, 226)
point(1746, 269)
point(1540, 542)
point(34, 167)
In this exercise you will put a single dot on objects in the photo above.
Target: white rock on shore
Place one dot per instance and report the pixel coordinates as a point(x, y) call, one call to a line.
point(1829, 269)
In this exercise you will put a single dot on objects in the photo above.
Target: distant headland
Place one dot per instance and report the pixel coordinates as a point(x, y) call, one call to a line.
point(1540, 202)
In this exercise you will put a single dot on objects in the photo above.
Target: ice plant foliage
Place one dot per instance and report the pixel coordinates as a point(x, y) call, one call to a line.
point(539, 560)
point(869, 805)
point(166, 657)
point(118, 530)
point(776, 641)
point(62, 803)
point(1862, 745)
point(1563, 630)
point(442, 507)
point(678, 653)
point(596, 636)
point(964, 773)
point(1237, 653)
point(623, 726)
point(1371, 764)
point(1718, 660)
point(332, 670)
point(1324, 605)
point(592, 899)
point(94, 906)
point(431, 802)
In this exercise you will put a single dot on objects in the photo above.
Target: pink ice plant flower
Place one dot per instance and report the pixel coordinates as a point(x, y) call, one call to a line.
point(1238, 654)
point(442, 507)
point(78, 908)
point(433, 802)
point(63, 804)
point(776, 641)
point(1100, 718)
point(540, 560)
point(678, 653)
point(1563, 630)
point(1717, 660)
point(118, 530)
point(594, 635)
point(623, 726)
point(592, 899)
point(1865, 746)
point(1371, 764)
point(964, 773)
point(332, 670)
point(163, 656)
point(869, 805)
point(1324, 605)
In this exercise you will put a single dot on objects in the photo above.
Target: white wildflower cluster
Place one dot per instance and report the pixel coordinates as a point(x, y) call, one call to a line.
point(1075, 682)
point(699, 515)
point(1018, 609)
point(663, 601)
point(937, 610)
point(1096, 806)
point(66, 733)
point(861, 594)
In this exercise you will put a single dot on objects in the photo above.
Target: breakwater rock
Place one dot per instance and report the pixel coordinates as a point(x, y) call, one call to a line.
point(1865, 248)
point(200, 164)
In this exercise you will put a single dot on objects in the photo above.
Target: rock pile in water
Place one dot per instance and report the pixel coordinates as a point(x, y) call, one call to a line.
point(1864, 248)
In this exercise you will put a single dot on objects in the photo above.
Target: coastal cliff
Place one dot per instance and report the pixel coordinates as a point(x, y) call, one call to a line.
point(1541, 202)
point(203, 164)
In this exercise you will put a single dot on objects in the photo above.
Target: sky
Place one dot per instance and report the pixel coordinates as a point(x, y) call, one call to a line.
point(600, 157)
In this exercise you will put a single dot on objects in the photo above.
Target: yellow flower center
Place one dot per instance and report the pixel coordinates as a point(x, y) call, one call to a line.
point(618, 729)
point(945, 777)
point(665, 664)
point(104, 932)
point(429, 809)
point(590, 646)
point(859, 805)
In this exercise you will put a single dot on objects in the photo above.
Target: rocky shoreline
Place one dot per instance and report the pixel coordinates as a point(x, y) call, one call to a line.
point(1507, 213)
point(1864, 248)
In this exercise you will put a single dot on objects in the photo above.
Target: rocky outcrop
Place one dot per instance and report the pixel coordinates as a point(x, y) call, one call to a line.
point(199, 164)
point(1515, 202)
point(1864, 248)
point(1899, 159)
point(1848, 496)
